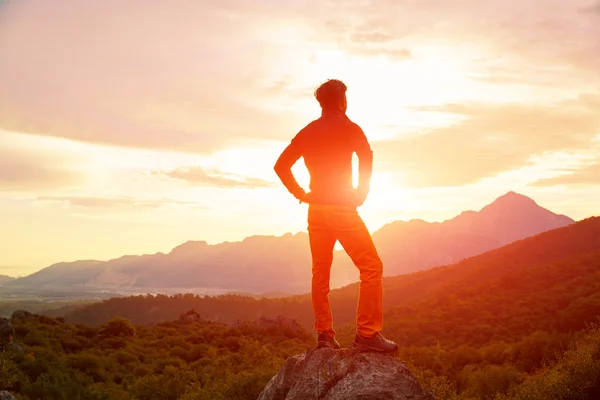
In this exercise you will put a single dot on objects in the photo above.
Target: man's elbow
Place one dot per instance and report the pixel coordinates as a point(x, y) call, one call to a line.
point(366, 155)
point(279, 168)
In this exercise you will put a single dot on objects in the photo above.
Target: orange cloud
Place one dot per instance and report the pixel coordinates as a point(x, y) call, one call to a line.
point(114, 202)
point(490, 139)
point(213, 177)
point(32, 171)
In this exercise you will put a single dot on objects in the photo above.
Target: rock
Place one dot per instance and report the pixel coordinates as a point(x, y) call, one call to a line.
point(347, 374)
point(22, 315)
point(4, 395)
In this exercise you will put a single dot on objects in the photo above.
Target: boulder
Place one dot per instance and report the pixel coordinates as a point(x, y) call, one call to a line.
point(346, 374)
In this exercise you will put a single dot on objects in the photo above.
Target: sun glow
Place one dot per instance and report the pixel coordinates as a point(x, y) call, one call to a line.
point(387, 95)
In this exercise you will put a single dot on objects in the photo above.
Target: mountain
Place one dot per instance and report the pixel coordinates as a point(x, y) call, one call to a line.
point(494, 326)
point(551, 278)
point(282, 264)
point(5, 279)
point(65, 274)
point(417, 245)
point(256, 264)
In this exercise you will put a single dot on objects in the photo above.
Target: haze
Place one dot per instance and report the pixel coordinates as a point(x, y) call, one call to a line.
point(131, 127)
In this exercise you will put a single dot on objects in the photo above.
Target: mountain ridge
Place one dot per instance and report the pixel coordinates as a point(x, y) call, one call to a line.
point(266, 263)
point(553, 264)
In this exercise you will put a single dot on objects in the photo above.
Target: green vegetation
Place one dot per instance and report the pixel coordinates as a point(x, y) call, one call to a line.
point(51, 308)
point(183, 359)
point(509, 324)
point(576, 376)
point(200, 360)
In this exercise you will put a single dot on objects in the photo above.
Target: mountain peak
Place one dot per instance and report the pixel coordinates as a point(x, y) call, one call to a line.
point(513, 199)
point(404, 246)
point(189, 247)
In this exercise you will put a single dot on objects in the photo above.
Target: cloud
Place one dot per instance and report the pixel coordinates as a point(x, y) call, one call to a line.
point(489, 139)
point(584, 172)
point(100, 73)
point(92, 74)
point(371, 37)
point(363, 38)
point(21, 170)
point(550, 32)
point(595, 8)
point(213, 177)
point(586, 176)
point(113, 202)
point(393, 53)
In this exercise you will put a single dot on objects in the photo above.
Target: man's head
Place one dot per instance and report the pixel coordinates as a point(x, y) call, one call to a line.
point(332, 95)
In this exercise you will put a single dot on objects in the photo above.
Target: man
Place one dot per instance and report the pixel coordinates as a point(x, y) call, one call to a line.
point(327, 145)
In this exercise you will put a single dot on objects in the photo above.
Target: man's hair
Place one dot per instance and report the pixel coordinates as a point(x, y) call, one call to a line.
point(331, 93)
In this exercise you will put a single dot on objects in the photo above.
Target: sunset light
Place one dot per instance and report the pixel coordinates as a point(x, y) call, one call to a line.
point(269, 199)
point(191, 124)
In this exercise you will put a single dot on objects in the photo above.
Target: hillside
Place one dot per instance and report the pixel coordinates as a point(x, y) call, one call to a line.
point(184, 359)
point(4, 279)
point(194, 359)
point(554, 273)
point(476, 329)
point(417, 245)
point(282, 264)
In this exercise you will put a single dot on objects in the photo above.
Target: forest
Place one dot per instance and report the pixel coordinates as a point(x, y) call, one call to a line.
point(519, 322)
point(185, 359)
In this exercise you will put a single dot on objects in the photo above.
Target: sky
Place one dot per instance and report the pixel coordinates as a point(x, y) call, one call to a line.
point(132, 127)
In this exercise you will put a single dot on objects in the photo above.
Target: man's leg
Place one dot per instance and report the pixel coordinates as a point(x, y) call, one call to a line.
point(357, 242)
point(322, 241)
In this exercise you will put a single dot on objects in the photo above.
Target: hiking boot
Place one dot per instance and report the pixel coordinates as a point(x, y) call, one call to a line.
point(376, 343)
point(324, 340)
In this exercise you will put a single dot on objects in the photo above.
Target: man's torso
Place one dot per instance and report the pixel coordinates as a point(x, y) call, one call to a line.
point(327, 148)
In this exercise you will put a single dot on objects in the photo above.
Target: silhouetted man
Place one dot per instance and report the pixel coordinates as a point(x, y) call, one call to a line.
point(327, 145)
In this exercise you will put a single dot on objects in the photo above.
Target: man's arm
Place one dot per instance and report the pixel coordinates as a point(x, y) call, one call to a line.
point(365, 165)
point(283, 168)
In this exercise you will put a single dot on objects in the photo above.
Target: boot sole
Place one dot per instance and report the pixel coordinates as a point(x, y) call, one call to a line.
point(364, 347)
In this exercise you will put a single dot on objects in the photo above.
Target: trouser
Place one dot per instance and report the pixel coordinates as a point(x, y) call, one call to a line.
point(326, 225)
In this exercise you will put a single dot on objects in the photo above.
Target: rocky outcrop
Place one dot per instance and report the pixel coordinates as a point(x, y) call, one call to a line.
point(4, 395)
point(347, 374)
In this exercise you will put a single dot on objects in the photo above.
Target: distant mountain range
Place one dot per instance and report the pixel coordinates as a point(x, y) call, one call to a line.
point(549, 282)
point(5, 279)
point(282, 263)
point(417, 245)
